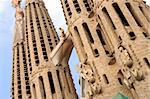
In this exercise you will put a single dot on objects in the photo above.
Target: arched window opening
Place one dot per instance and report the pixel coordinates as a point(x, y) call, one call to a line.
point(96, 53)
point(41, 82)
point(132, 35)
point(77, 32)
point(34, 91)
point(76, 5)
point(79, 41)
point(105, 79)
point(51, 82)
point(58, 75)
point(120, 14)
point(120, 77)
point(147, 62)
point(133, 14)
point(120, 81)
point(102, 39)
point(88, 33)
point(100, 36)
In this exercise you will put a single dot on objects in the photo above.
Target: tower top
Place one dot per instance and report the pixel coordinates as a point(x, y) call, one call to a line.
point(39, 1)
point(16, 3)
point(18, 30)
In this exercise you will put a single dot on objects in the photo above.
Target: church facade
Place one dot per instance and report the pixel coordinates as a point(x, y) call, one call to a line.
point(112, 41)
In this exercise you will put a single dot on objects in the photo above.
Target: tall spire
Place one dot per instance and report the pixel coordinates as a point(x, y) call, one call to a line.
point(18, 30)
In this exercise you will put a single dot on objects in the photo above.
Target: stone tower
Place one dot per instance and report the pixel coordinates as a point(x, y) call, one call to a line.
point(36, 74)
point(112, 41)
point(20, 76)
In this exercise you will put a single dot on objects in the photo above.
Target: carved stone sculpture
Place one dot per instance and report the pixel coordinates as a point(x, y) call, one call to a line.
point(125, 57)
point(87, 73)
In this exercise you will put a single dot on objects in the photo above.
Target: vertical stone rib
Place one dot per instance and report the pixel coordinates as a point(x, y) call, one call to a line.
point(37, 36)
point(30, 36)
point(47, 86)
point(56, 85)
point(80, 47)
point(22, 76)
point(116, 20)
point(12, 81)
point(27, 51)
point(51, 26)
point(63, 82)
point(145, 11)
point(70, 82)
point(108, 27)
point(143, 21)
point(43, 30)
point(15, 74)
point(38, 89)
point(129, 17)
point(51, 31)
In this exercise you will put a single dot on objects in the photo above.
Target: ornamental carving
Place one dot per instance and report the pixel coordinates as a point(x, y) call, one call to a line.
point(87, 73)
point(125, 56)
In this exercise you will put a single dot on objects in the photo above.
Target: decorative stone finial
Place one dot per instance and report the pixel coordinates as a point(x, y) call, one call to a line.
point(16, 3)
point(62, 35)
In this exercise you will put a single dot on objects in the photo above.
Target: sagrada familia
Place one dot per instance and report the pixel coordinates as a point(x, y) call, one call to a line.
point(112, 41)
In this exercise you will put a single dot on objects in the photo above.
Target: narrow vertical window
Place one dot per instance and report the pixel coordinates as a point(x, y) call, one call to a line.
point(108, 18)
point(42, 87)
point(120, 81)
point(147, 62)
point(142, 10)
point(120, 14)
point(77, 32)
point(51, 82)
point(96, 53)
point(34, 91)
point(105, 79)
point(100, 36)
point(133, 14)
point(58, 75)
point(132, 35)
point(79, 41)
point(83, 86)
point(76, 5)
point(102, 39)
point(88, 33)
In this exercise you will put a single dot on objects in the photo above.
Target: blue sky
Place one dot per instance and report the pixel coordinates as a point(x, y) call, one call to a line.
point(6, 36)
